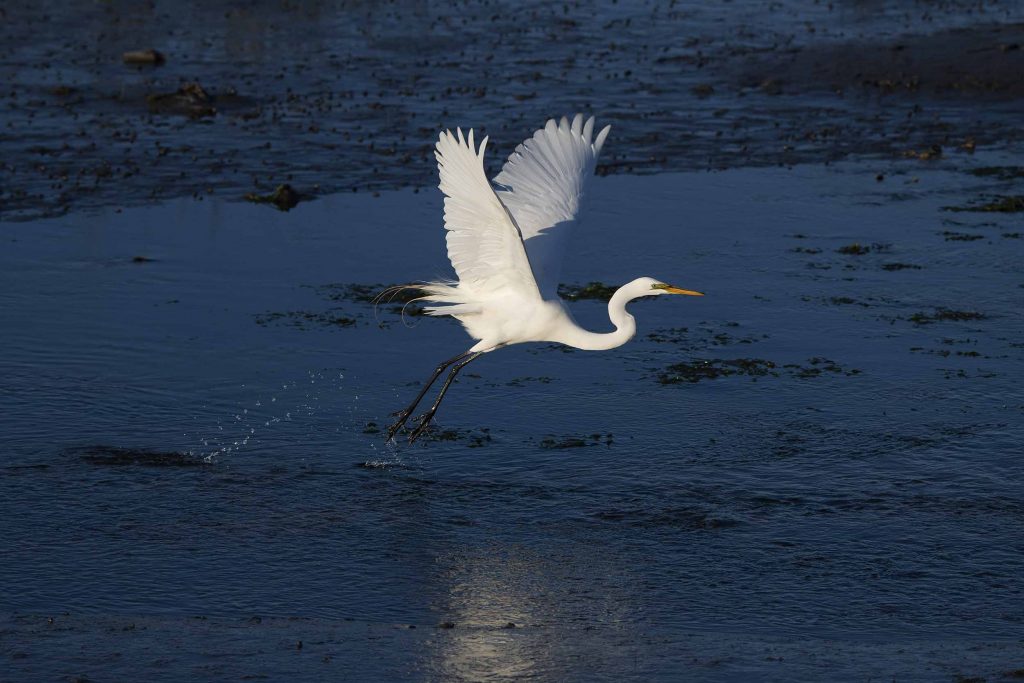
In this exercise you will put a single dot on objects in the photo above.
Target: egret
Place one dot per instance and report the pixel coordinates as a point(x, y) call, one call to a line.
point(506, 242)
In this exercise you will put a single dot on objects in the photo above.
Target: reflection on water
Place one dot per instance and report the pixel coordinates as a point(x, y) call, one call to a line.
point(506, 602)
point(490, 590)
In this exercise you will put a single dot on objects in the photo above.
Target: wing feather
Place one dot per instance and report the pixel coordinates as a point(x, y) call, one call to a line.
point(542, 185)
point(485, 245)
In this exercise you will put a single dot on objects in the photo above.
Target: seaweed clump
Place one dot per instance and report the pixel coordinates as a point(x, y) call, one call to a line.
point(997, 204)
point(698, 370)
point(592, 290)
point(473, 438)
point(929, 154)
point(284, 198)
point(818, 366)
point(751, 367)
point(952, 236)
point(942, 314)
point(304, 319)
point(559, 443)
point(189, 100)
point(115, 456)
point(858, 249)
point(998, 172)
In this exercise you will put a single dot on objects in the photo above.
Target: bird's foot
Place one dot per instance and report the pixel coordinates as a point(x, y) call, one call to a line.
point(424, 422)
point(403, 417)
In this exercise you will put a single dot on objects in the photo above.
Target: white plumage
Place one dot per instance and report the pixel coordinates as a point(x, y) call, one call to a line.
point(542, 184)
point(506, 244)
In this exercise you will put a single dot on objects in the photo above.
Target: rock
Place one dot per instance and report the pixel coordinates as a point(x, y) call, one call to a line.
point(284, 197)
point(149, 56)
point(189, 100)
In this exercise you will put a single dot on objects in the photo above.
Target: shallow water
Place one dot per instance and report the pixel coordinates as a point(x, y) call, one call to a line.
point(194, 482)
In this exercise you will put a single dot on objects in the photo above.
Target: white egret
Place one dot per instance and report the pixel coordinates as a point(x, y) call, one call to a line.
point(506, 243)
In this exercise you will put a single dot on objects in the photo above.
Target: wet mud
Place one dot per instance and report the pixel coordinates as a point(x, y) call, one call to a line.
point(979, 62)
point(104, 108)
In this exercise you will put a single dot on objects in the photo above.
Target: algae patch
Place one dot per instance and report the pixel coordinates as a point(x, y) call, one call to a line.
point(284, 198)
point(858, 249)
point(698, 370)
point(304, 319)
point(952, 236)
point(189, 100)
point(119, 457)
point(994, 204)
point(564, 442)
point(945, 314)
point(998, 172)
point(472, 438)
point(592, 290)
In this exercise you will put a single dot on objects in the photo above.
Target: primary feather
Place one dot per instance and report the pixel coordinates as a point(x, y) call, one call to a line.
point(509, 244)
point(542, 184)
point(484, 243)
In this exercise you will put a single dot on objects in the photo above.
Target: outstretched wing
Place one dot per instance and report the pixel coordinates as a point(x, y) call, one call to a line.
point(542, 184)
point(484, 243)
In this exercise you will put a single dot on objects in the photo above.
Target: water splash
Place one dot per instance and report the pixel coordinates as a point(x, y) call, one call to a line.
point(305, 410)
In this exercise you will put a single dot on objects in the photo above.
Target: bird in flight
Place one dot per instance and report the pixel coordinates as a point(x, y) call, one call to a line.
point(506, 243)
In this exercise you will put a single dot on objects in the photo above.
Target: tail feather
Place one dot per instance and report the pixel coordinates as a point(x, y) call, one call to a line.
point(453, 301)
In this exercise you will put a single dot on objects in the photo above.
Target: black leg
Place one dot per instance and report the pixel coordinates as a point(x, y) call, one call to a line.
point(429, 415)
point(403, 415)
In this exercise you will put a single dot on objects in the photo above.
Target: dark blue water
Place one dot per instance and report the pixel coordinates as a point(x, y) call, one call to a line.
point(192, 478)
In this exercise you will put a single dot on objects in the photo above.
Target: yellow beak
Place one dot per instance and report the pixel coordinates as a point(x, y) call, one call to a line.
point(675, 290)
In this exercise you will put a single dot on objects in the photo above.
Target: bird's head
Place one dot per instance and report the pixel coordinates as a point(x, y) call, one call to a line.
point(648, 286)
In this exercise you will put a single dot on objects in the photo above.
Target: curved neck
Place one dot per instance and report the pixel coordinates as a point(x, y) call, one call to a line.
point(625, 326)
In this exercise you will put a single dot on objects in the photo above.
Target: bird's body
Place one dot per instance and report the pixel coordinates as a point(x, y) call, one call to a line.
point(506, 244)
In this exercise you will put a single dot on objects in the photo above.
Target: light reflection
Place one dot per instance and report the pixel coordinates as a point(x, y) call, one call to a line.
point(507, 603)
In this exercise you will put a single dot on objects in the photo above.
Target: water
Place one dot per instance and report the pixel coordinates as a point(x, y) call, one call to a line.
point(194, 481)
